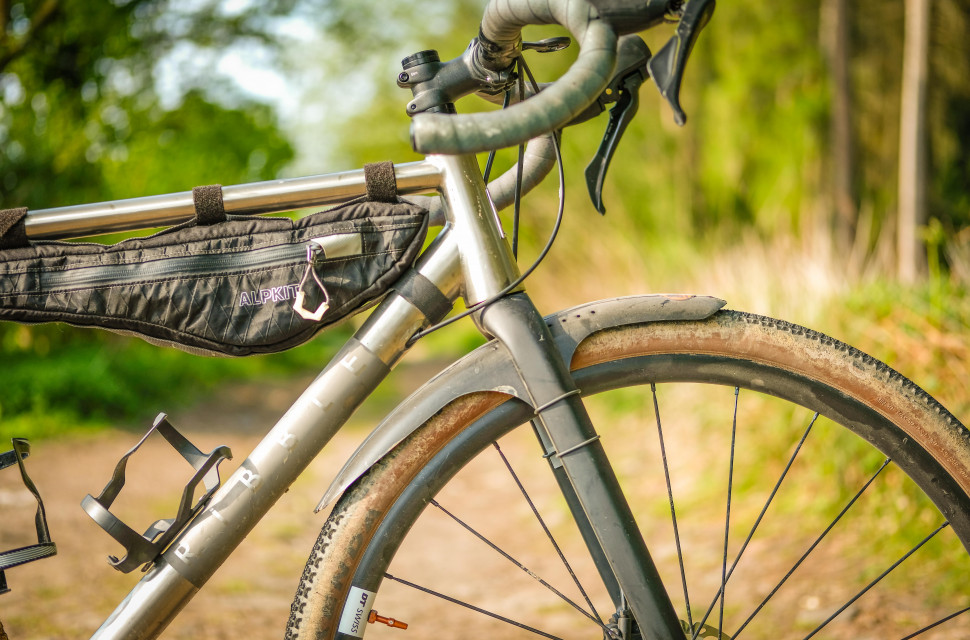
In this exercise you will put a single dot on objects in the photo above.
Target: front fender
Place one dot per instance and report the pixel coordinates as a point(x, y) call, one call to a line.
point(489, 369)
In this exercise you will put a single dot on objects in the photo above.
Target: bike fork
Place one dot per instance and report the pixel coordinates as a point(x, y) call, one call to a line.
point(592, 489)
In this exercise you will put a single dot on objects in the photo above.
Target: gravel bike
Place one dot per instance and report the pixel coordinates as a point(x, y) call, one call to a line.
point(589, 403)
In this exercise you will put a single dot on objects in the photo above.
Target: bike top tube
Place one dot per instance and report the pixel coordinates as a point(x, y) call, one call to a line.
point(254, 198)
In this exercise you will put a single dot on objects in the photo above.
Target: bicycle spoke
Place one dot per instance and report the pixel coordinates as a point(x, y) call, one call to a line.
point(727, 523)
point(461, 603)
point(518, 564)
point(764, 510)
point(727, 516)
point(549, 535)
point(670, 498)
point(877, 580)
point(937, 623)
point(811, 548)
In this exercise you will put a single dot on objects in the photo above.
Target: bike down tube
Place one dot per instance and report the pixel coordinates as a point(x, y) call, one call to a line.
point(279, 459)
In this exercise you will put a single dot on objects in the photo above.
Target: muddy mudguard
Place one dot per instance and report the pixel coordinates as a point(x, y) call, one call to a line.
point(489, 368)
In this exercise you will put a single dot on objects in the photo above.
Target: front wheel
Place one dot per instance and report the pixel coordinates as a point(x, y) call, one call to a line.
point(787, 485)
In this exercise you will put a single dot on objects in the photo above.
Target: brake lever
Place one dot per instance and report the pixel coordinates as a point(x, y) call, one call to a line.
point(667, 67)
point(624, 90)
point(620, 116)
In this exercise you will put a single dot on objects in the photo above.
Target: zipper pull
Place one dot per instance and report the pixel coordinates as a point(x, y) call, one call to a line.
point(313, 249)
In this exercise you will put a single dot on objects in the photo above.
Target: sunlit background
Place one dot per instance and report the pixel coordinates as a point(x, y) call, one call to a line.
point(782, 194)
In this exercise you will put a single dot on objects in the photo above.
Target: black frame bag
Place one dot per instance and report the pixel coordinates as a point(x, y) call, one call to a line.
point(219, 284)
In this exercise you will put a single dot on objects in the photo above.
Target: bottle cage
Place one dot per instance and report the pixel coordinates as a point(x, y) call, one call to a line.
point(144, 549)
point(44, 547)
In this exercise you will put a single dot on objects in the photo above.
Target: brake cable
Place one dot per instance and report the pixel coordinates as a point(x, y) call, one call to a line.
point(517, 199)
point(491, 154)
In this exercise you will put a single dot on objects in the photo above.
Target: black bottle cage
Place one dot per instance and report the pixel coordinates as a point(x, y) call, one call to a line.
point(144, 549)
point(44, 547)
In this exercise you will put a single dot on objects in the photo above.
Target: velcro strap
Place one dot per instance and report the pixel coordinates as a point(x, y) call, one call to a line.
point(23, 555)
point(424, 295)
point(44, 547)
point(209, 207)
point(380, 181)
point(13, 228)
point(17, 557)
point(9, 458)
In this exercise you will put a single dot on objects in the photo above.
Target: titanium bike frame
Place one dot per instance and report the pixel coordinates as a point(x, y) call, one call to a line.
point(470, 257)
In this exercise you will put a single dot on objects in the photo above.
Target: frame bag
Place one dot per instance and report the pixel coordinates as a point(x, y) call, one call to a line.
point(218, 284)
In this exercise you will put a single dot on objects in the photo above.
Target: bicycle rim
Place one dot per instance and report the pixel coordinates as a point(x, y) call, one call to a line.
point(843, 480)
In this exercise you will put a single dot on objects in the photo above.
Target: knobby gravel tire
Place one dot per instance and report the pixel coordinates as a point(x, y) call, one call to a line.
point(747, 354)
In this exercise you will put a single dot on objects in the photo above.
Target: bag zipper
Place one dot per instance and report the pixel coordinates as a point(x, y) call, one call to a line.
point(163, 267)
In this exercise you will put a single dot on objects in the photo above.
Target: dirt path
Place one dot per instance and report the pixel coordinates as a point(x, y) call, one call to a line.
point(249, 596)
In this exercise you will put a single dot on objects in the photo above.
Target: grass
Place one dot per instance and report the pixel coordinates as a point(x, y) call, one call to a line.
point(923, 331)
point(57, 380)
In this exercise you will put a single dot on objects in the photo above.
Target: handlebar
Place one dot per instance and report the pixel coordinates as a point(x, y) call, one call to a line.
point(488, 64)
point(560, 103)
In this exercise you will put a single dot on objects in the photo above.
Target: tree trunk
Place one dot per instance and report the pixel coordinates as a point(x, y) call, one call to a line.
point(836, 43)
point(911, 253)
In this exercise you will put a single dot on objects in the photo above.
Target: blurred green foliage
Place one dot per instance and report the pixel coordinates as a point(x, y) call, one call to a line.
point(57, 382)
point(116, 99)
point(757, 96)
point(82, 119)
